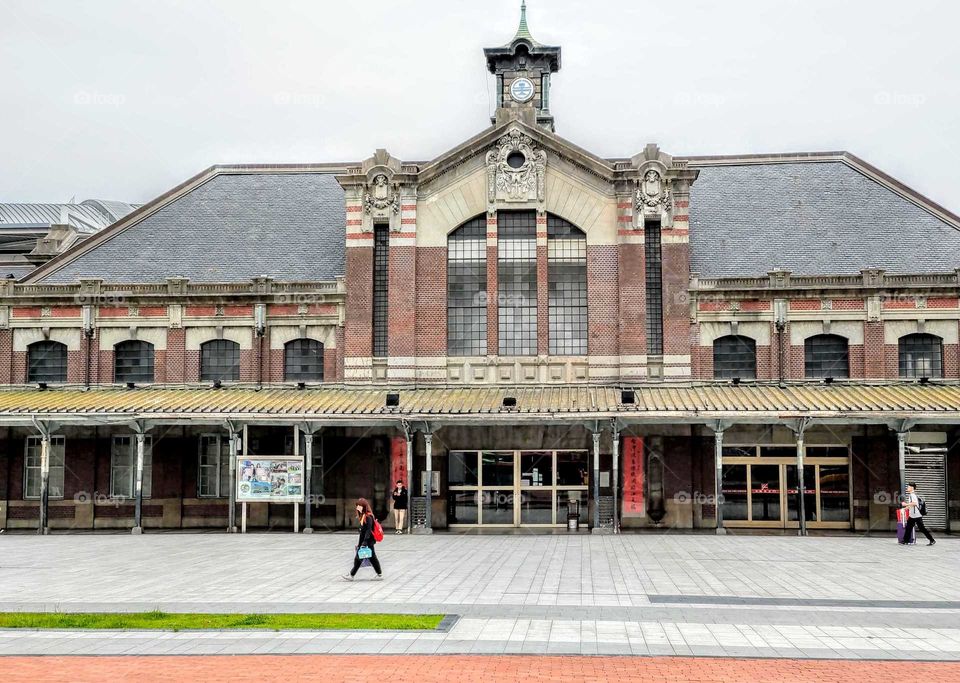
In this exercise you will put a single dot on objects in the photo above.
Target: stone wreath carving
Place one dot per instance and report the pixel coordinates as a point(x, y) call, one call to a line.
point(516, 182)
point(652, 193)
point(380, 197)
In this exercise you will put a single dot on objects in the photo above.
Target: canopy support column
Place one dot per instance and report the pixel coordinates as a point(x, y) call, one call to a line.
point(615, 452)
point(235, 441)
point(596, 479)
point(428, 442)
point(138, 508)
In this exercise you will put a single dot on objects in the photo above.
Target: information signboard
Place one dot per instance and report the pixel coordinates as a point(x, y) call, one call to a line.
point(269, 479)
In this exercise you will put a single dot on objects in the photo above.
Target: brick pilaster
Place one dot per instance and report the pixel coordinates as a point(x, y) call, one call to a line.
point(493, 287)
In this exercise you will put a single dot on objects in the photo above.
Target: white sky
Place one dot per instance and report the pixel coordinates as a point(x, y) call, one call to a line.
point(123, 99)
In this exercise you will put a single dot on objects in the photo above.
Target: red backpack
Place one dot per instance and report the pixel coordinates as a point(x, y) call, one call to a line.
point(377, 531)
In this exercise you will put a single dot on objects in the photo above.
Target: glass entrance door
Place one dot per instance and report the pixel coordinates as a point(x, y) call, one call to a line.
point(517, 488)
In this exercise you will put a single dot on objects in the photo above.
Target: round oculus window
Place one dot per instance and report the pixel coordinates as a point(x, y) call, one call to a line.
point(516, 159)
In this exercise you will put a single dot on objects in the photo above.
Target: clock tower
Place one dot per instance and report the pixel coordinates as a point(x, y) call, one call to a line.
point(522, 68)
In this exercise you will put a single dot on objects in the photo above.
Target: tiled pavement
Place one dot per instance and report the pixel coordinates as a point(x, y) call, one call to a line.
point(454, 669)
point(762, 596)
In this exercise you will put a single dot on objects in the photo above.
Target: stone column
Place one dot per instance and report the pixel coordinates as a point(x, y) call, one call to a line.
point(232, 482)
point(902, 463)
point(44, 483)
point(616, 479)
point(718, 478)
point(410, 490)
point(596, 480)
point(801, 486)
point(428, 440)
point(138, 509)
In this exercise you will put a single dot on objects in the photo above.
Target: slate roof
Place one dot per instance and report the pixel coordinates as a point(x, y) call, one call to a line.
point(233, 227)
point(811, 218)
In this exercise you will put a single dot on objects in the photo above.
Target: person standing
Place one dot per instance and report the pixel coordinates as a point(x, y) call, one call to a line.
point(366, 540)
point(401, 498)
point(915, 518)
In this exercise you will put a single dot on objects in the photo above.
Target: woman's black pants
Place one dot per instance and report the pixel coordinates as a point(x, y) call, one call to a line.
point(357, 561)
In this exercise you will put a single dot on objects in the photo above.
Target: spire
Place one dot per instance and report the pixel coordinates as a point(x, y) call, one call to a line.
point(522, 30)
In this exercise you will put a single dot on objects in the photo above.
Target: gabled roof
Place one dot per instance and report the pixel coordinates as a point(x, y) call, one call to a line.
point(813, 214)
point(227, 224)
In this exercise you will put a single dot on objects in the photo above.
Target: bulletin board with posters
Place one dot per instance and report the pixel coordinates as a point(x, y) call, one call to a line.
point(269, 479)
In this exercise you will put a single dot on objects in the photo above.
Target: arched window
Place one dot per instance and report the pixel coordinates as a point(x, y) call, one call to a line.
point(826, 355)
point(133, 361)
point(219, 360)
point(735, 356)
point(303, 361)
point(467, 289)
point(47, 362)
point(921, 355)
point(567, 282)
point(517, 282)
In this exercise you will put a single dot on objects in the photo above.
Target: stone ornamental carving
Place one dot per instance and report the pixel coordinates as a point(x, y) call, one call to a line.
point(653, 195)
point(380, 197)
point(516, 169)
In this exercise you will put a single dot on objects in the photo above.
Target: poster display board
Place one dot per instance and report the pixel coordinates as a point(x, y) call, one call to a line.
point(633, 476)
point(270, 479)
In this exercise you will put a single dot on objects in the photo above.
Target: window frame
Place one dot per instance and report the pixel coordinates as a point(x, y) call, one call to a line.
point(819, 372)
point(57, 442)
point(61, 366)
point(300, 377)
point(517, 293)
point(728, 374)
point(130, 478)
point(567, 288)
point(913, 373)
point(467, 275)
point(151, 354)
point(221, 468)
point(213, 366)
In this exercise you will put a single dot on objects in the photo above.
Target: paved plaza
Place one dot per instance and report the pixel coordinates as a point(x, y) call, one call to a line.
point(736, 596)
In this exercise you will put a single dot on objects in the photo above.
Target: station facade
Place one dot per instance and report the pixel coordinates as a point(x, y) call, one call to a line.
point(524, 331)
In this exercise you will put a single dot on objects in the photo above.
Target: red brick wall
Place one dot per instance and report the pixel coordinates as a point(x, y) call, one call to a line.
point(543, 297)
point(493, 312)
point(631, 274)
point(19, 367)
point(340, 352)
point(856, 361)
point(330, 364)
point(431, 302)
point(191, 365)
point(359, 302)
point(176, 355)
point(676, 307)
point(604, 304)
point(6, 356)
point(874, 351)
point(402, 301)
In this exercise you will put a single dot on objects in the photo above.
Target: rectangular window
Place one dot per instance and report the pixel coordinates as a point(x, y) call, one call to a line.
point(567, 276)
point(517, 278)
point(381, 254)
point(32, 474)
point(467, 289)
point(123, 467)
point(654, 282)
point(213, 470)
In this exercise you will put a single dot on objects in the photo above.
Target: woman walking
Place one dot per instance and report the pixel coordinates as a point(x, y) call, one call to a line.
point(400, 498)
point(365, 550)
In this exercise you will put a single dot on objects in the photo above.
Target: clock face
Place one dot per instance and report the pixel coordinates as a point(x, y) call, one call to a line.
point(521, 89)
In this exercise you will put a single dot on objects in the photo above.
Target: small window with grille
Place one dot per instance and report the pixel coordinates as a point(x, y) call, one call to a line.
point(567, 282)
point(303, 361)
point(735, 356)
point(133, 362)
point(921, 355)
point(219, 360)
point(826, 355)
point(653, 258)
point(47, 362)
point(381, 260)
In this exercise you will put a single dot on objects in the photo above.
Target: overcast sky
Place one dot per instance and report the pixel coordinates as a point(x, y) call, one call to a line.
point(123, 99)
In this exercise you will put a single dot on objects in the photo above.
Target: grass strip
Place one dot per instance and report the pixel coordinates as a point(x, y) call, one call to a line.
point(166, 621)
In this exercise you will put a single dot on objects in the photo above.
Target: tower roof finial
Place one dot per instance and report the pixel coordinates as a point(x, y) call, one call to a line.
point(522, 30)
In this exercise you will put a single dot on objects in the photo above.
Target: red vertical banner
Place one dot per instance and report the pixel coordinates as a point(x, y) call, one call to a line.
point(398, 461)
point(633, 475)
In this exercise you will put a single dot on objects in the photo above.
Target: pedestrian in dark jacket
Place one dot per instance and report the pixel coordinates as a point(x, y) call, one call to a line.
point(366, 540)
point(400, 501)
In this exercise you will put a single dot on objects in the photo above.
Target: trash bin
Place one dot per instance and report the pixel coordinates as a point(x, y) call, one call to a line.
point(573, 515)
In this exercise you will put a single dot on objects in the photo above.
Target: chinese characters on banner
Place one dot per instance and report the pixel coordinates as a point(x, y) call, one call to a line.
point(633, 475)
point(398, 461)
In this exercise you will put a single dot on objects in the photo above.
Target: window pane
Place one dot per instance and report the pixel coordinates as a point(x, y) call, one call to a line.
point(467, 289)
point(219, 360)
point(133, 362)
point(497, 506)
point(536, 507)
point(208, 483)
point(536, 468)
point(462, 466)
point(121, 467)
point(517, 278)
point(735, 356)
point(921, 355)
point(497, 469)
point(834, 493)
point(463, 507)
point(734, 492)
point(381, 252)
point(303, 361)
point(567, 280)
point(32, 476)
point(826, 355)
point(47, 362)
point(572, 468)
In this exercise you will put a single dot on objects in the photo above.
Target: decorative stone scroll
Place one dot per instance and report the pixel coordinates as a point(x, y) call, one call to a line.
point(516, 169)
point(653, 195)
point(379, 198)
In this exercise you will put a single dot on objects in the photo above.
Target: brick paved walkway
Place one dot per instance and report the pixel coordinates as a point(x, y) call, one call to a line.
point(455, 668)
